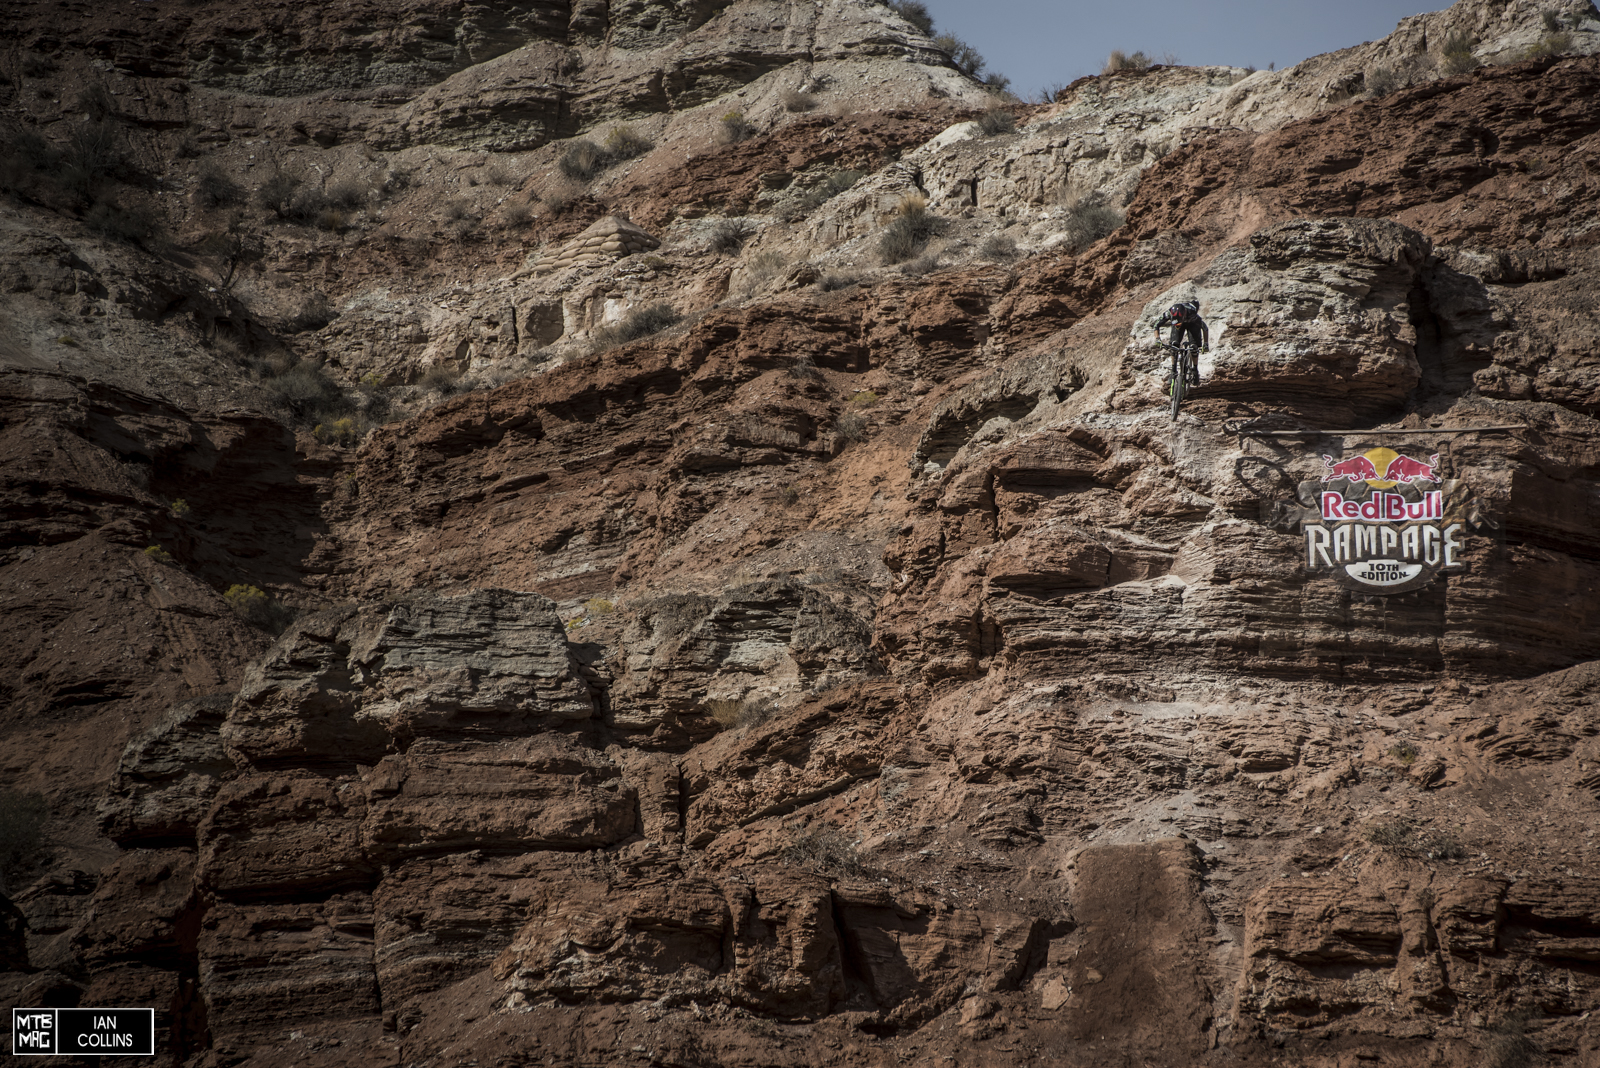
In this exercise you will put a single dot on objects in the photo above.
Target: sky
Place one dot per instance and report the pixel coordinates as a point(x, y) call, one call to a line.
point(1038, 43)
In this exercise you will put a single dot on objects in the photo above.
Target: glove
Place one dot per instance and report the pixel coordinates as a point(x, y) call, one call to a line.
point(1205, 348)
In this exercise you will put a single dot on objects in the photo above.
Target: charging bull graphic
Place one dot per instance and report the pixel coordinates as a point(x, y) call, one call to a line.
point(1396, 468)
point(1382, 522)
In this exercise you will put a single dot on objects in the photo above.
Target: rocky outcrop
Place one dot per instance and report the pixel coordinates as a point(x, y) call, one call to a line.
point(867, 668)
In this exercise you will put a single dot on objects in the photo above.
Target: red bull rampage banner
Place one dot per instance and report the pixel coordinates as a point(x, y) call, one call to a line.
point(1384, 523)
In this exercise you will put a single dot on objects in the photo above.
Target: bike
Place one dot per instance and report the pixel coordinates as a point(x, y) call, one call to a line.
point(1185, 361)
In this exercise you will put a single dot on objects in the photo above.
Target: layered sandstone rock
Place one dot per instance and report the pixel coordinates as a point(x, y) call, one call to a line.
point(902, 681)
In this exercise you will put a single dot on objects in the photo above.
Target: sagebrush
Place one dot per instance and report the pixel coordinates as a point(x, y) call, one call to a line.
point(1120, 60)
point(734, 128)
point(826, 850)
point(255, 607)
point(1087, 220)
point(637, 324)
point(909, 231)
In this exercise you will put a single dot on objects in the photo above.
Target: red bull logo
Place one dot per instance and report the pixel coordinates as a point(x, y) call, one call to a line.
point(1382, 507)
point(1383, 522)
point(1396, 469)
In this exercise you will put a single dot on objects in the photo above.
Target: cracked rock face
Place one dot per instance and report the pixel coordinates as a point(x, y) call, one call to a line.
point(868, 668)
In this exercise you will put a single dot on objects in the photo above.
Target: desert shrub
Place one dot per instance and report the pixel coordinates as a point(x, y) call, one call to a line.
point(728, 236)
point(915, 13)
point(731, 712)
point(797, 100)
point(93, 153)
point(307, 204)
point(349, 193)
point(1456, 54)
point(133, 223)
point(441, 378)
point(1120, 60)
point(1407, 840)
point(94, 100)
point(494, 174)
point(254, 607)
point(724, 710)
point(394, 181)
point(907, 234)
point(788, 494)
point(516, 215)
point(561, 197)
point(345, 431)
point(1551, 44)
point(803, 366)
point(968, 60)
point(825, 850)
point(236, 245)
point(214, 187)
point(733, 129)
point(1405, 753)
point(1381, 81)
point(926, 263)
point(1509, 1045)
point(309, 394)
point(1087, 220)
point(957, 50)
point(22, 817)
point(852, 426)
point(998, 247)
point(765, 264)
point(829, 188)
point(1389, 835)
point(159, 555)
point(456, 210)
point(865, 399)
point(625, 143)
point(839, 181)
point(832, 281)
point(755, 711)
point(599, 606)
point(276, 192)
point(997, 121)
point(179, 508)
point(69, 341)
point(332, 219)
point(637, 324)
point(313, 312)
point(582, 160)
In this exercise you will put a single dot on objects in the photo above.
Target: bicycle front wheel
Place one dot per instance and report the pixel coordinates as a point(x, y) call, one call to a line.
point(1179, 384)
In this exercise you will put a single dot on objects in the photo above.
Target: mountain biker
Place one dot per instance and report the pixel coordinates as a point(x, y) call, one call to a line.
point(1184, 318)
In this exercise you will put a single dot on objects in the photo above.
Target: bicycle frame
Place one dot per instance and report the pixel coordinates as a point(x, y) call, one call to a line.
point(1185, 358)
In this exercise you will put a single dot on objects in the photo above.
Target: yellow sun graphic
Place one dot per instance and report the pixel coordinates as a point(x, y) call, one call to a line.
point(1381, 458)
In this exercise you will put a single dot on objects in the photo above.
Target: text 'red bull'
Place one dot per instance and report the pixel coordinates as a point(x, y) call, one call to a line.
point(1382, 508)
